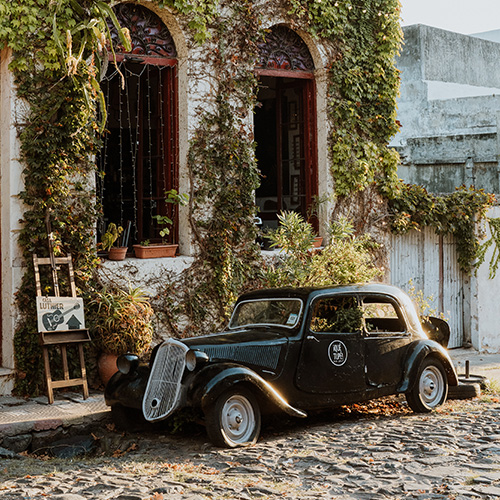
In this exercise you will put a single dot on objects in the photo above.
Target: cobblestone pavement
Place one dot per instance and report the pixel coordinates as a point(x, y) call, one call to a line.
point(375, 451)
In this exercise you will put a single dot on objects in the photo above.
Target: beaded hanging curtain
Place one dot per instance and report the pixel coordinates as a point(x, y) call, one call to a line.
point(139, 155)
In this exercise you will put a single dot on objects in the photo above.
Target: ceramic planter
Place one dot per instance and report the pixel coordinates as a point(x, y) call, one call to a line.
point(117, 253)
point(154, 251)
point(318, 241)
point(106, 366)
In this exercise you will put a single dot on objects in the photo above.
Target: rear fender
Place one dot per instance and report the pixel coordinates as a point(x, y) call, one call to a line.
point(213, 380)
point(419, 351)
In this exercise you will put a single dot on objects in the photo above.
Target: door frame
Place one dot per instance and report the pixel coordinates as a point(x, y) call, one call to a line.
point(310, 129)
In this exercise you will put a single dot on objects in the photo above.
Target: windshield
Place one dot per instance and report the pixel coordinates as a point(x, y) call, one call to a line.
point(283, 312)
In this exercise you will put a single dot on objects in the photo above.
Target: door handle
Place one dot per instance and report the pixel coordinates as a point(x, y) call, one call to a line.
point(312, 337)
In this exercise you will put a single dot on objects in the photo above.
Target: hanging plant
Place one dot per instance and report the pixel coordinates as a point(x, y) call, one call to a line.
point(457, 214)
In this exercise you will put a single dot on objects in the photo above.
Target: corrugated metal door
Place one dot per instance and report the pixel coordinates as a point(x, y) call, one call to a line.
point(430, 262)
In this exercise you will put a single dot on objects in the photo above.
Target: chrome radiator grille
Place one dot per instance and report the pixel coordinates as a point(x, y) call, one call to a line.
point(163, 390)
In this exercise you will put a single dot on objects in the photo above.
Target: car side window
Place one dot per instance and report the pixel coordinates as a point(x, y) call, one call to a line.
point(336, 315)
point(381, 315)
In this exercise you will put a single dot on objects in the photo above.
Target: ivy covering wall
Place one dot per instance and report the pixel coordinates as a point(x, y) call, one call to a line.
point(58, 135)
point(58, 48)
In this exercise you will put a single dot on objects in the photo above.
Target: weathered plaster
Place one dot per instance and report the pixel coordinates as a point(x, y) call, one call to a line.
point(446, 141)
point(10, 207)
point(485, 327)
point(447, 130)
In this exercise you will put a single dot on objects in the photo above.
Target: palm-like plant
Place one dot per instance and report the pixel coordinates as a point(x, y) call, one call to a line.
point(123, 320)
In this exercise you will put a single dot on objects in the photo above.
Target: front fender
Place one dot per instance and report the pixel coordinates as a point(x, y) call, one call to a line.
point(417, 352)
point(127, 390)
point(213, 380)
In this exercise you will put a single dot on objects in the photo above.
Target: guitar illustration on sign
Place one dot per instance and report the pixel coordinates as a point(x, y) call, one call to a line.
point(53, 319)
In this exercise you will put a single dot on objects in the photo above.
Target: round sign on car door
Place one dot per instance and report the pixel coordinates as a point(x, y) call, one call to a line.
point(332, 356)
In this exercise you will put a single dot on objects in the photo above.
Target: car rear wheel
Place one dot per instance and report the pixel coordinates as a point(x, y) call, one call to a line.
point(234, 419)
point(430, 388)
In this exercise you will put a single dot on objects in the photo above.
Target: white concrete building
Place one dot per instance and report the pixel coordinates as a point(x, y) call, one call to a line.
point(449, 111)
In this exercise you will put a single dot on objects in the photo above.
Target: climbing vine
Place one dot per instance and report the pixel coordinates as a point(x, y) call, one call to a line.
point(494, 242)
point(57, 133)
point(365, 38)
point(361, 104)
point(59, 49)
point(224, 173)
point(457, 214)
point(362, 108)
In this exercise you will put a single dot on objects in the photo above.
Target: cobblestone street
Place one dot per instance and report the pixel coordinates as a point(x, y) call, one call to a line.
point(374, 451)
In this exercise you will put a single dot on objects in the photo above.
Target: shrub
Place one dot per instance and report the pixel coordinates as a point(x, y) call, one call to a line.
point(345, 259)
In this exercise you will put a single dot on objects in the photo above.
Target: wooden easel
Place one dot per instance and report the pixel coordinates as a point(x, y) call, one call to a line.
point(61, 338)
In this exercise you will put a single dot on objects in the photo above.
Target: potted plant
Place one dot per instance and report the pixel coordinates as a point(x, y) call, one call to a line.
point(123, 323)
point(148, 250)
point(108, 240)
point(317, 211)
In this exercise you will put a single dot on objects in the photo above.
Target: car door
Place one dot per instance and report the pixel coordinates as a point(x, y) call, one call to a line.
point(332, 355)
point(386, 340)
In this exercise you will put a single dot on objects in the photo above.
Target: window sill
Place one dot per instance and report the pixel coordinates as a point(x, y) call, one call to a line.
point(174, 261)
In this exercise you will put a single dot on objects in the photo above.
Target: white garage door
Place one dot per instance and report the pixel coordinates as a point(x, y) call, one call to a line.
point(430, 262)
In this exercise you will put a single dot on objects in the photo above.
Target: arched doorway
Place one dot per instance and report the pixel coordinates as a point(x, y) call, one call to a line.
point(285, 126)
point(139, 158)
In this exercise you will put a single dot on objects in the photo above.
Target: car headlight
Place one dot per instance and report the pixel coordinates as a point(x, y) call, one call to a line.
point(194, 358)
point(190, 360)
point(127, 363)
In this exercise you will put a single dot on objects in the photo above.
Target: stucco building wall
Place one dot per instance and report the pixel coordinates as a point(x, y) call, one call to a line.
point(196, 80)
point(449, 127)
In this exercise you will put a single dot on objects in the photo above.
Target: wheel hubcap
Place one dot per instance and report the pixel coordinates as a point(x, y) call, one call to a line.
point(431, 386)
point(238, 419)
point(234, 419)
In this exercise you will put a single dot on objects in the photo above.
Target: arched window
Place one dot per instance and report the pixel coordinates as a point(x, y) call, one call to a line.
point(285, 126)
point(139, 157)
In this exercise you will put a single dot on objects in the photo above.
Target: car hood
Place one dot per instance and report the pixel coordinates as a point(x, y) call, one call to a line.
point(255, 347)
point(239, 336)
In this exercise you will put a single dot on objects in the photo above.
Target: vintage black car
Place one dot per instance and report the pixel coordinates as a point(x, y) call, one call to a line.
point(289, 350)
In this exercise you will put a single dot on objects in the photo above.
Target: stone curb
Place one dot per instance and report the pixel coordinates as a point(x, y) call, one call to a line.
point(28, 425)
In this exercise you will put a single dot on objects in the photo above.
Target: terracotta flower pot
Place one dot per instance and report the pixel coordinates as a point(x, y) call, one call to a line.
point(117, 253)
point(106, 366)
point(318, 241)
point(154, 251)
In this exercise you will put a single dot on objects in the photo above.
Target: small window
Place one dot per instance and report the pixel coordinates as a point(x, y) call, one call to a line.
point(336, 315)
point(380, 315)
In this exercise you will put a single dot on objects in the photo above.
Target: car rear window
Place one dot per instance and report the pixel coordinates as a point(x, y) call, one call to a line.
point(381, 316)
point(282, 312)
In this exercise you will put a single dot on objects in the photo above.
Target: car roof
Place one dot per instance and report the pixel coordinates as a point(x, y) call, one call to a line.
point(305, 292)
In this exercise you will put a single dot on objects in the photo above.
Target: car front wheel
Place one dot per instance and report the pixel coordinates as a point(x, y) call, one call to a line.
point(430, 388)
point(234, 419)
